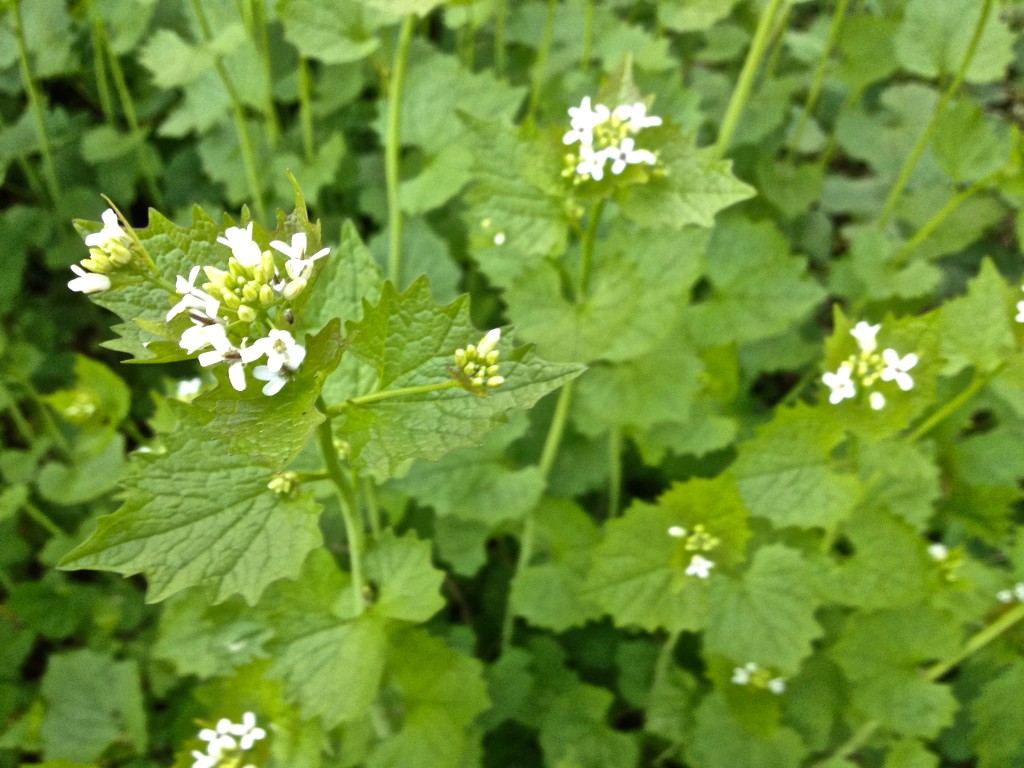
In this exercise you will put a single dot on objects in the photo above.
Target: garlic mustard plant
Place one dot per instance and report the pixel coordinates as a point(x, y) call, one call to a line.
point(606, 137)
point(228, 743)
point(863, 371)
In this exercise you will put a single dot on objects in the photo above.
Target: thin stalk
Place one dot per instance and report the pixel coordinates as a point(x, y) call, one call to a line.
point(936, 671)
point(587, 247)
point(124, 94)
point(37, 187)
point(262, 37)
point(98, 47)
point(238, 113)
point(388, 394)
point(937, 220)
point(794, 394)
point(830, 144)
point(952, 405)
point(748, 74)
point(615, 471)
point(349, 509)
point(925, 137)
point(777, 41)
point(661, 666)
point(41, 517)
point(819, 77)
point(372, 507)
point(541, 62)
point(393, 146)
point(21, 424)
point(35, 100)
point(306, 109)
point(500, 18)
point(588, 35)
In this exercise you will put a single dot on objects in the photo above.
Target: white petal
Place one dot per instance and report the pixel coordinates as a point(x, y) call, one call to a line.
point(236, 375)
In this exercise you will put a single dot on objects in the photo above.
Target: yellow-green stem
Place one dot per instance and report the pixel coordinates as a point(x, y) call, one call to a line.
point(388, 394)
point(40, 517)
point(349, 509)
point(35, 101)
point(392, 147)
point(306, 109)
point(238, 115)
point(745, 84)
point(98, 47)
point(262, 37)
point(922, 142)
point(615, 471)
point(588, 35)
point(951, 406)
point(936, 221)
point(587, 248)
point(819, 76)
point(541, 63)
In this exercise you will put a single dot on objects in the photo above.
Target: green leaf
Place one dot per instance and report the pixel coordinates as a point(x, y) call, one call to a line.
point(910, 753)
point(638, 573)
point(173, 61)
point(407, 583)
point(442, 693)
point(998, 720)
point(86, 477)
point(719, 741)
point(550, 594)
point(405, 7)
point(785, 473)
point(92, 701)
point(968, 144)
point(868, 52)
point(976, 328)
point(880, 654)
point(933, 39)
point(574, 731)
point(693, 15)
point(767, 615)
point(901, 477)
point(335, 31)
point(758, 289)
point(410, 341)
point(200, 513)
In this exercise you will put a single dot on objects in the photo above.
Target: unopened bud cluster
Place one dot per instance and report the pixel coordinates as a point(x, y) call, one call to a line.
point(478, 365)
point(865, 370)
point(755, 676)
point(698, 540)
point(949, 562)
point(228, 743)
point(110, 249)
point(284, 482)
point(606, 136)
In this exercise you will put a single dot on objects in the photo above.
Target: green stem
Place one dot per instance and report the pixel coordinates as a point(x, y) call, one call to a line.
point(925, 137)
point(832, 142)
point(349, 508)
point(819, 77)
point(306, 109)
point(392, 148)
point(953, 405)
point(40, 517)
point(587, 247)
point(936, 671)
point(98, 48)
point(745, 84)
point(21, 424)
point(388, 394)
point(541, 63)
point(777, 41)
point(35, 101)
point(661, 667)
point(615, 472)
point(794, 394)
point(238, 114)
point(588, 35)
point(937, 220)
point(372, 506)
point(262, 37)
point(500, 19)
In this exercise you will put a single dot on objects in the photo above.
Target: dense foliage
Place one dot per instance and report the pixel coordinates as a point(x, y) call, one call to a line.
point(631, 383)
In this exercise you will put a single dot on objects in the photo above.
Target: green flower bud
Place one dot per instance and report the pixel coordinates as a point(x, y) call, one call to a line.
point(495, 381)
point(246, 313)
point(250, 293)
point(294, 288)
point(217, 276)
point(231, 299)
point(266, 295)
point(120, 256)
point(267, 268)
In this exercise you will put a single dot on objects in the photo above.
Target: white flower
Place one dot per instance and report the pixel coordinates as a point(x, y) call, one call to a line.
point(591, 163)
point(193, 298)
point(625, 154)
point(281, 349)
point(242, 246)
point(1004, 596)
point(1020, 311)
point(88, 282)
point(110, 235)
point(636, 116)
point(203, 335)
point(777, 685)
point(488, 342)
point(840, 384)
point(877, 401)
point(677, 531)
point(203, 760)
point(275, 379)
point(583, 120)
point(938, 551)
point(499, 239)
point(897, 367)
point(865, 335)
point(247, 731)
point(742, 675)
point(219, 738)
point(186, 389)
point(699, 567)
point(298, 266)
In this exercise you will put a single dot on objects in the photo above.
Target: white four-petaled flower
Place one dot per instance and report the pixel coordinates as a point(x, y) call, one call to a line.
point(840, 383)
point(243, 247)
point(193, 298)
point(897, 367)
point(865, 335)
point(110, 235)
point(88, 282)
point(700, 567)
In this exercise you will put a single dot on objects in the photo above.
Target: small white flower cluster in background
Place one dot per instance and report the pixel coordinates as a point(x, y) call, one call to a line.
point(236, 305)
point(1020, 309)
point(478, 365)
point(753, 675)
point(606, 136)
point(227, 741)
point(109, 250)
point(867, 368)
point(949, 561)
point(1007, 596)
point(698, 540)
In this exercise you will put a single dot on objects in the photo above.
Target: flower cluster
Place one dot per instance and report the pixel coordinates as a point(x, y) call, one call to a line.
point(227, 742)
point(698, 540)
point(1007, 596)
point(478, 365)
point(867, 368)
point(284, 482)
point(757, 677)
point(110, 249)
point(949, 561)
point(247, 301)
point(606, 136)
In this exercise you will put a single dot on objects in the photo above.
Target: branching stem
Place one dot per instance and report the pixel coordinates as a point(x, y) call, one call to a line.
point(392, 149)
point(388, 394)
point(951, 406)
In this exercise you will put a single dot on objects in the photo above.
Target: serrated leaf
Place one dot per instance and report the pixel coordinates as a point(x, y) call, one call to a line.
point(200, 513)
point(574, 732)
point(410, 341)
point(998, 720)
point(976, 328)
point(408, 585)
point(767, 615)
point(335, 32)
point(902, 477)
point(786, 476)
point(173, 61)
point(719, 741)
point(638, 572)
